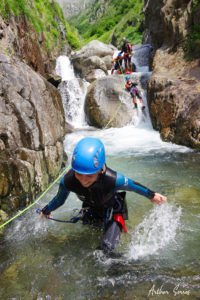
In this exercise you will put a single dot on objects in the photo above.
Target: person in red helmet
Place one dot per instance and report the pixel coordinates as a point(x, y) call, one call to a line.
point(131, 87)
point(101, 190)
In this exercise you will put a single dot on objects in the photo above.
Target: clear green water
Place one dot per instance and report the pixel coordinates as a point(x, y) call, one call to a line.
point(160, 255)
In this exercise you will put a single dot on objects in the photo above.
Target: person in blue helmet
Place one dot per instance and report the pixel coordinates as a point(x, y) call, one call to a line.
point(131, 87)
point(101, 190)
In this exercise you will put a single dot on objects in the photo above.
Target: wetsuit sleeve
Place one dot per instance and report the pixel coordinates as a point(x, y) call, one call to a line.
point(58, 200)
point(126, 184)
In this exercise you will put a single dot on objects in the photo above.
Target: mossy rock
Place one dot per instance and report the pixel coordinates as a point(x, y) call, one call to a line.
point(3, 216)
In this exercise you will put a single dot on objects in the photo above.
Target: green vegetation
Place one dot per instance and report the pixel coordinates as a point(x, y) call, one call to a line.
point(112, 22)
point(46, 17)
point(192, 43)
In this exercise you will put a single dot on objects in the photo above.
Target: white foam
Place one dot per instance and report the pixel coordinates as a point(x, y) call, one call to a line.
point(156, 231)
point(64, 68)
point(125, 141)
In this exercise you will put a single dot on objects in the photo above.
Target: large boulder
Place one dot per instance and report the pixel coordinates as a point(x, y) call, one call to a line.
point(91, 62)
point(31, 133)
point(107, 103)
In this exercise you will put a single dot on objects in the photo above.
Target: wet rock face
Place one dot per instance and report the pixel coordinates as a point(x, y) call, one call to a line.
point(31, 115)
point(31, 133)
point(19, 38)
point(167, 22)
point(104, 104)
point(173, 90)
point(174, 102)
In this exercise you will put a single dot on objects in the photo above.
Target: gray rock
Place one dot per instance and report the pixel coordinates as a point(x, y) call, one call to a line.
point(93, 56)
point(31, 133)
point(106, 103)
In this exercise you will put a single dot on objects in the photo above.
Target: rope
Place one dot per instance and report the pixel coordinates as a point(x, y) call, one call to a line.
point(32, 204)
point(113, 115)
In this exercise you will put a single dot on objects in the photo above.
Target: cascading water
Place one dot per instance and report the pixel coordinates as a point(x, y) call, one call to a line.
point(141, 57)
point(72, 91)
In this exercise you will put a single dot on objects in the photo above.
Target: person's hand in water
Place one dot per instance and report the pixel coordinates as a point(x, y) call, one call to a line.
point(159, 199)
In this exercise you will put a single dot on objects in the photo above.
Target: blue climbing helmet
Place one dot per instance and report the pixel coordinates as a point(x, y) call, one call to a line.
point(127, 77)
point(88, 156)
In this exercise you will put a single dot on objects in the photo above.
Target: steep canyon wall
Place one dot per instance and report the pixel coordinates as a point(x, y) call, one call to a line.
point(174, 88)
point(31, 116)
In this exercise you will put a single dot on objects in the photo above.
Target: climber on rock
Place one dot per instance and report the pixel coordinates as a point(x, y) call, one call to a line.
point(131, 87)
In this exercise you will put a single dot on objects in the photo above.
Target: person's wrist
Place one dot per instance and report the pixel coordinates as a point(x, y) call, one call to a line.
point(45, 210)
point(152, 195)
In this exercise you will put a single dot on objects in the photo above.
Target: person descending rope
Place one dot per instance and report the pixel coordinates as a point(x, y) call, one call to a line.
point(117, 63)
point(98, 187)
point(127, 50)
point(134, 91)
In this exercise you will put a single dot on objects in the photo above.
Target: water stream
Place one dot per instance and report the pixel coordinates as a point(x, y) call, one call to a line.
point(160, 255)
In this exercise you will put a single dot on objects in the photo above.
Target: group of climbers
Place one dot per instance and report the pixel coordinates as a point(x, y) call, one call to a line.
point(124, 55)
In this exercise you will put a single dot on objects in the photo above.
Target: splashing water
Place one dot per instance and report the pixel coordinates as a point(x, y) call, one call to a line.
point(27, 227)
point(155, 232)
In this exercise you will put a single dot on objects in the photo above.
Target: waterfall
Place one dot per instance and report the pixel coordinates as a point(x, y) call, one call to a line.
point(141, 55)
point(64, 68)
point(73, 91)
